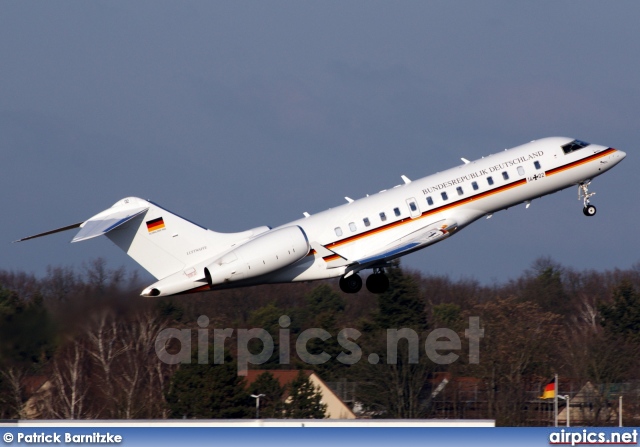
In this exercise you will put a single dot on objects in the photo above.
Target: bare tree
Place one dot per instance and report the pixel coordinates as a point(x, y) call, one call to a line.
point(157, 372)
point(141, 375)
point(104, 347)
point(60, 283)
point(518, 342)
point(127, 371)
point(70, 385)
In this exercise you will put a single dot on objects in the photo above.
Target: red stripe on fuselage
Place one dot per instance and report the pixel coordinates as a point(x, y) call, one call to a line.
point(581, 161)
point(466, 200)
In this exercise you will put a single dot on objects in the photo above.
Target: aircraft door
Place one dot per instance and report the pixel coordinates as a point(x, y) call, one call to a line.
point(414, 210)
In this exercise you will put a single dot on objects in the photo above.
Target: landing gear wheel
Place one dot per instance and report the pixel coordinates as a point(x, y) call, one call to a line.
point(589, 210)
point(352, 284)
point(377, 283)
point(584, 194)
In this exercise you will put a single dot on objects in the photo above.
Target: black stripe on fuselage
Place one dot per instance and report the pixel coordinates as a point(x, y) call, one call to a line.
point(472, 198)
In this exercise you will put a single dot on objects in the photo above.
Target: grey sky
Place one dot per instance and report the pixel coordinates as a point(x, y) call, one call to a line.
point(238, 114)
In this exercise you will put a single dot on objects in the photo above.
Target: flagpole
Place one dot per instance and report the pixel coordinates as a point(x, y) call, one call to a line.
point(620, 411)
point(555, 401)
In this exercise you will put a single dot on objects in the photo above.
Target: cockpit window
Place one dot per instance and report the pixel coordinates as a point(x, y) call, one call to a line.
point(574, 146)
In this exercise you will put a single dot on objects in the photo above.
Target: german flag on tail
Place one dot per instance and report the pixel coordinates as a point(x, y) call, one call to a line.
point(549, 391)
point(155, 224)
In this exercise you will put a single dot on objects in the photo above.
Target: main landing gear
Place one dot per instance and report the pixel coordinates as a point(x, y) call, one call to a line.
point(584, 194)
point(377, 282)
point(352, 284)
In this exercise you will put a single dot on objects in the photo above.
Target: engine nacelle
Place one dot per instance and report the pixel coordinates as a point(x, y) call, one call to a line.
point(266, 253)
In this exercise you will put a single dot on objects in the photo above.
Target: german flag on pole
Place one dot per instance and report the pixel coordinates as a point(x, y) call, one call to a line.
point(549, 391)
point(155, 224)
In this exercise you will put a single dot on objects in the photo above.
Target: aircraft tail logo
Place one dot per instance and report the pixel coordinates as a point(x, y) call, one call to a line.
point(155, 225)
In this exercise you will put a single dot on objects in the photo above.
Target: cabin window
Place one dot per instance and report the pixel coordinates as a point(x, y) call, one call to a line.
point(352, 226)
point(536, 164)
point(413, 206)
point(383, 216)
point(474, 185)
point(490, 180)
point(338, 231)
point(460, 191)
point(505, 175)
point(574, 146)
point(444, 195)
point(429, 201)
point(520, 170)
point(366, 221)
point(396, 211)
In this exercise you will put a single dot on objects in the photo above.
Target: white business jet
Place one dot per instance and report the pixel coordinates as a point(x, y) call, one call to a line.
point(361, 234)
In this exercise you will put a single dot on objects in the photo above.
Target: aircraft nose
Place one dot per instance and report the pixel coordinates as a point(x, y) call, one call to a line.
point(616, 157)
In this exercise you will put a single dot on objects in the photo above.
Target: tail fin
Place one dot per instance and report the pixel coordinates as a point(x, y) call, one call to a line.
point(162, 242)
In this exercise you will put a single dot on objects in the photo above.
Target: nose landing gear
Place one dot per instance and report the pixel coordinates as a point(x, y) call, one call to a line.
point(589, 210)
point(584, 194)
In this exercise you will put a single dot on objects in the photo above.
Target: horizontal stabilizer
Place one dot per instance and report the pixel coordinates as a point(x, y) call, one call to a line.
point(46, 233)
point(106, 221)
point(101, 223)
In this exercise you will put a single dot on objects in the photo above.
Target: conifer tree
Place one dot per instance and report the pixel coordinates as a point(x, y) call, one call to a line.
point(622, 317)
point(401, 306)
point(325, 305)
point(271, 403)
point(393, 385)
point(305, 401)
point(208, 391)
point(26, 330)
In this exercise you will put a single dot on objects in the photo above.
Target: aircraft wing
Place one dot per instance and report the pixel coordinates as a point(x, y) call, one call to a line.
point(407, 244)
